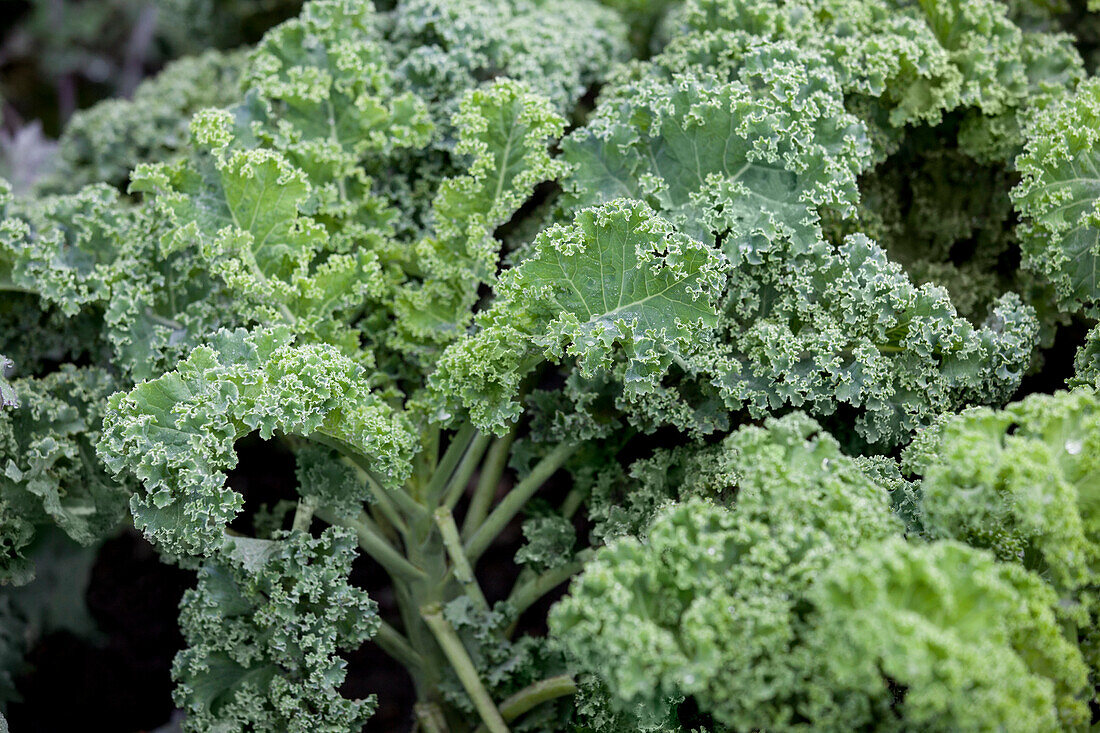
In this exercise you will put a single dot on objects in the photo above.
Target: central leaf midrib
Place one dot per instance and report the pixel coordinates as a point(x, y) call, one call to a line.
point(620, 308)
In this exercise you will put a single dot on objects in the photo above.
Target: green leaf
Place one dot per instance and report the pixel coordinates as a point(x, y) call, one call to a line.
point(974, 643)
point(1087, 362)
point(712, 155)
point(241, 211)
point(1023, 482)
point(845, 326)
point(263, 638)
point(505, 133)
point(1057, 198)
point(67, 249)
point(618, 281)
point(48, 471)
point(709, 602)
point(176, 433)
point(328, 81)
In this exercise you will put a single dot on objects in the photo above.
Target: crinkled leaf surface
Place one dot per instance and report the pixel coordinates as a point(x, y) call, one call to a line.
point(618, 281)
point(176, 433)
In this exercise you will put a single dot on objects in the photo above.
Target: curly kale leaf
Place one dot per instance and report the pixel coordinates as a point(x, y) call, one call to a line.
point(943, 638)
point(549, 540)
point(504, 132)
point(708, 605)
point(90, 259)
point(905, 494)
point(794, 446)
point(1025, 483)
point(16, 536)
point(49, 474)
point(1087, 362)
point(818, 617)
point(828, 327)
point(618, 280)
point(444, 49)
point(752, 164)
point(67, 249)
point(240, 209)
point(274, 198)
point(263, 629)
point(1057, 198)
point(330, 92)
point(176, 433)
point(330, 481)
point(902, 64)
point(766, 150)
point(322, 91)
point(281, 197)
point(559, 49)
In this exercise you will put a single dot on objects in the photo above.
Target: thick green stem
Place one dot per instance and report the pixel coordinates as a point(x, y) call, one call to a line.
point(374, 543)
point(303, 515)
point(406, 503)
point(535, 694)
point(457, 485)
point(384, 500)
point(426, 458)
point(520, 494)
point(447, 464)
point(397, 646)
point(573, 501)
point(527, 592)
point(463, 572)
point(429, 718)
point(464, 666)
point(487, 482)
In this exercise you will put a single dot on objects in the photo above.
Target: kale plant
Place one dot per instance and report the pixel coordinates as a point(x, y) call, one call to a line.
point(769, 325)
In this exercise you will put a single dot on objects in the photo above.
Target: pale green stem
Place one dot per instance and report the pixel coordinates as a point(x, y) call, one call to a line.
point(488, 482)
point(520, 494)
point(535, 694)
point(453, 544)
point(384, 500)
point(447, 464)
point(457, 485)
point(303, 515)
point(573, 501)
point(406, 503)
point(166, 322)
point(394, 643)
point(464, 666)
point(373, 542)
point(429, 718)
point(529, 588)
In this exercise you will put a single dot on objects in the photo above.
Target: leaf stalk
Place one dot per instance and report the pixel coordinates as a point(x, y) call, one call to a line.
point(464, 666)
point(520, 494)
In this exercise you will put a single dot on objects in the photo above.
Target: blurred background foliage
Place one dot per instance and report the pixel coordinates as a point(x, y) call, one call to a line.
point(61, 56)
